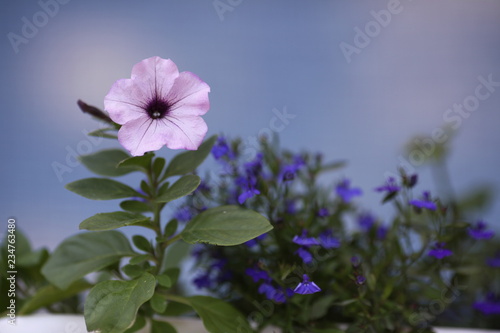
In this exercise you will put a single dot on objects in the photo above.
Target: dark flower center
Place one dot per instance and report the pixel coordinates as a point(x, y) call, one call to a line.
point(157, 108)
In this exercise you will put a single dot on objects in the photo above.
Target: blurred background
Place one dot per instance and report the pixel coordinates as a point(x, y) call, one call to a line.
point(355, 80)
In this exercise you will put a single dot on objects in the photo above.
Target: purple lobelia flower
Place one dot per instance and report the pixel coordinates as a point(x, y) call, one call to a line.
point(276, 294)
point(323, 212)
point(382, 232)
point(479, 231)
point(389, 186)
point(345, 191)
point(257, 274)
point(290, 206)
point(366, 221)
point(438, 251)
point(247, 194)
point(305, 255)
point(203, 281)
point(495, 261)
point(304, 240)
point(489, 306)
point(328, 241)
point(425, 202)
point(221, 149)
point(306, 286)
point(360, 280)
point(288, 172)
point(355, 261)
point(159, 106)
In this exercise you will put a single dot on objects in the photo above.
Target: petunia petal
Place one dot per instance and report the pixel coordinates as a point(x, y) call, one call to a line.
point(125, 101)
point(156, 75)
point(189, 95)
point(183, 133)
point(141, 135)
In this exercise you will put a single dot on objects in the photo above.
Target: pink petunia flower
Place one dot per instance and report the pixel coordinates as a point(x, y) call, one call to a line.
point(159, 106)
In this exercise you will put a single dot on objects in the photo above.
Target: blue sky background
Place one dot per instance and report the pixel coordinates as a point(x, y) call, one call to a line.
point(256, 56)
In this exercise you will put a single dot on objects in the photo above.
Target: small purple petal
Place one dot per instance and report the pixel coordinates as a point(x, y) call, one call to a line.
point(355, 261)
point(360, 279)
point(323, 212)
point(366, 221)
point(390, 186)
point(306, 287)
point(328, 241)
point(347, 193)
point(381, 232)
point(424, 203)
point(439, 251)
point(304, 240)
point(479, 231)
point(490, 306)
point(305, 255)
point(257, 274)
point(493, 262)
point(247, 195)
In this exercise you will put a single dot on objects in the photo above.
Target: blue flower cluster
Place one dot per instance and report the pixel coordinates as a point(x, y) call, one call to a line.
point(314, 255)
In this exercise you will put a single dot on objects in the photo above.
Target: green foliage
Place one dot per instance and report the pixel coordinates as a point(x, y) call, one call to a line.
point(114, 220)
point(218, 316)
point(162, 327)
point(396, 282)
point(111, 306)
point(101, 189)
point(105, 162)
point(187, 162)
point(50, 294)
point(33, 291)
point(225, 225)
point(143, 162)
point(85, 253)
point(182, 187)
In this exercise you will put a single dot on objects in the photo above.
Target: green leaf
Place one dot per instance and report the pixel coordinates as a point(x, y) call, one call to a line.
point(140, 258)
point(32, 259)
point(108, 221)
point(158, 303)
point(187, 162)
point(135, 206)
point(320, 307)
point(50, 294)
point(225, 225)
point(162, 327)
point(139, 323)
point(171, 228)
point(173, 274)
point(102, 133)
point(85, 253)
point(101, 189)
point(141, 243)
point(105, 162)
point(146, 188)
point(175, 309)
point(143, 162)
point(183, 186)
point(164, 281)
point(111, 306)
point(219, 316)
point(158, 166)
point(133, 271)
